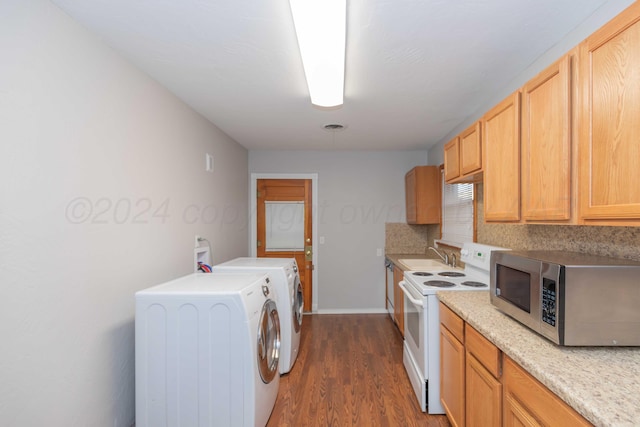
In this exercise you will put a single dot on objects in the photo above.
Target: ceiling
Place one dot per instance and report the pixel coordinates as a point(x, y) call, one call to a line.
point(415, 69)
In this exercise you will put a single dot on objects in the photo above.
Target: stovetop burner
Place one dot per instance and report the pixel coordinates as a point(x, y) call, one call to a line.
point(474, 284)
point(439, 283)
point(451, 274)
point(422, 273)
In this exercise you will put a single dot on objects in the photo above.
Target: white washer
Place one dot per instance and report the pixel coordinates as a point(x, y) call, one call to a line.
point(290, 300)
point(207, 351)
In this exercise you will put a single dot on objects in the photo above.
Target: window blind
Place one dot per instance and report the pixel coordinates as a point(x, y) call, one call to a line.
point(457, 213)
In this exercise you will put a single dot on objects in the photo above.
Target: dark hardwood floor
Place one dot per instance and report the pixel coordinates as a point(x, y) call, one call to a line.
point(349, 372)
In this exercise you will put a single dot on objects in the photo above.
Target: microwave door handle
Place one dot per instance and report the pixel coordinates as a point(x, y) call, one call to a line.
point(406, 291)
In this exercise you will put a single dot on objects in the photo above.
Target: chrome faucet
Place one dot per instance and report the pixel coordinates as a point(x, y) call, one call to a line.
point(443, 256)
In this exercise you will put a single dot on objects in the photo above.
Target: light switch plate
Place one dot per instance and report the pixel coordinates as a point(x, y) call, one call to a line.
point(209, 162)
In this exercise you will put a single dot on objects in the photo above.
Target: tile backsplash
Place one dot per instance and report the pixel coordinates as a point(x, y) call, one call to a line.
point(402, 238)
point(617, 242)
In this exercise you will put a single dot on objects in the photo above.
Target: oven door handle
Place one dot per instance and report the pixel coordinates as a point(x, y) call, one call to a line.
point(407, 292)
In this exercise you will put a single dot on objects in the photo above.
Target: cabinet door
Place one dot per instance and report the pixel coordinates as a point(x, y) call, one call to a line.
point(410, 196)
point(546, 144)
point(471, 150)
point(501, 142)
point(610, 120)
point(529, 403)
point(423, 195)
point(398, 299)
point(483, 395)
point(452, 160)
point(452, 393)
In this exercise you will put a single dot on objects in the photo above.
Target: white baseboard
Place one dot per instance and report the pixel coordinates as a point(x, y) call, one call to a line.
point(352, 311)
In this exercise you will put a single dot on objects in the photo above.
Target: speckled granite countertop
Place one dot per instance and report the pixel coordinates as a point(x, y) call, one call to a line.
point(601, 383)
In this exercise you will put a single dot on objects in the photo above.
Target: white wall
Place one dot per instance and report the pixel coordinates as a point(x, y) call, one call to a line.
point(357, 193)
point(601, 16)
point(84, 136)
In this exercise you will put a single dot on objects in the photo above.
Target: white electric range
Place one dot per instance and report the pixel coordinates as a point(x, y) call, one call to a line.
point(421, 352)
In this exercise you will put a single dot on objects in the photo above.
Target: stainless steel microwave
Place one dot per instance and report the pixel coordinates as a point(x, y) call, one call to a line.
point(572, 299)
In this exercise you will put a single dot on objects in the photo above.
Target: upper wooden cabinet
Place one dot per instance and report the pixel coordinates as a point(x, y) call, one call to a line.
point(422, 190)
point(546, 144)
point(471, 150)
point(463, 156)
point(501, 143)
point(452, 160)
point(609, 149)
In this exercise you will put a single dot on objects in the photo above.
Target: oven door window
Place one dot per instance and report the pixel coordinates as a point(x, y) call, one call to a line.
point(412, 323)
point(413, 330)
point(514, 286)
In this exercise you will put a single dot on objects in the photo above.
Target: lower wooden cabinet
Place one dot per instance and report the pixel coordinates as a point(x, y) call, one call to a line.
point(484, 395)
point(452, 377)
point(482, 387)
point(398, 299)
point(529, 403)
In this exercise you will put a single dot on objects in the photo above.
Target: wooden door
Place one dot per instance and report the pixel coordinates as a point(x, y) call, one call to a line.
point(501, 139)
point(610, 120)
point(546, 144)
point(284, 228)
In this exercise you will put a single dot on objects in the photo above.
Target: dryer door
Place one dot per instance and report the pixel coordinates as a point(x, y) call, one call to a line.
point(298, 305)
point(268, 341)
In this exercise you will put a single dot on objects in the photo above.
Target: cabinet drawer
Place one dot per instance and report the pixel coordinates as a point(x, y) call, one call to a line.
point(483, 350)
point(452, 322)
point(527, 402)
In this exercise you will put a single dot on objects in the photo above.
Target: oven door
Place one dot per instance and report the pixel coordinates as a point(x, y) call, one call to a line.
point(414, 352)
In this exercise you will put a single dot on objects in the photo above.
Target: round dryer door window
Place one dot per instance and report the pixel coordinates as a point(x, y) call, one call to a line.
point(298, 306)
point(268, 342)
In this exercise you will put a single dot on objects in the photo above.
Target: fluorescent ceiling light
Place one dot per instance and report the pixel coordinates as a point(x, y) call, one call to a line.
point(321, 30)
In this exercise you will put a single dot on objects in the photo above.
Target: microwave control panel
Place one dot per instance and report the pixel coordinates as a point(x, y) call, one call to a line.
point(549, 301)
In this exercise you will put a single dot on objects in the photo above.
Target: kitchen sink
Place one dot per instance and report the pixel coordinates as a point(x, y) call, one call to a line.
point(421, 264)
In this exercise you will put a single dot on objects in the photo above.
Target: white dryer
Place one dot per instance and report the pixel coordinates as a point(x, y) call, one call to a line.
point(207, 351)
point(290, 300)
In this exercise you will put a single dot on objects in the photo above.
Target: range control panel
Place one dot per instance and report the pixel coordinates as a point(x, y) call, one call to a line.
point(478, 255)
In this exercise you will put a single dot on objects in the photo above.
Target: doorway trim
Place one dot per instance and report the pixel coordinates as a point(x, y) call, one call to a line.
point(253, 229)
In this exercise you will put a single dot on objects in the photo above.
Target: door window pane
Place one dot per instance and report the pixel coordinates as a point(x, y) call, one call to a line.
point(284, 226)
